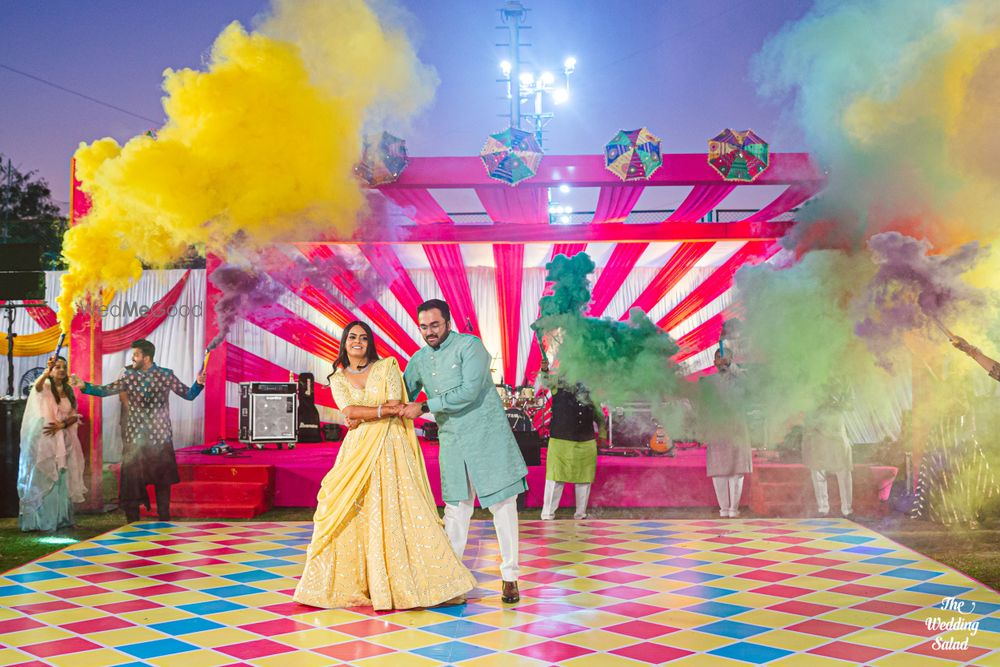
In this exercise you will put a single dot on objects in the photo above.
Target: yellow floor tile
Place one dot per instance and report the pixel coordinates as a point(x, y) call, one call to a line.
point(856, 617)
point(9, 656)
point(602, 660)
point(97, 658)
point(219, 637)
point(706, 660)
point(157, 615)
point(680, 619)
point(390, 660)
point(124, 636)
point(912, 660)
point(806, 660)
point(195, 659)
point(505, 640)
point(502, 660)
point(250, 615)
point(601, 640)
point(402, 640)
point(692, 640)
point(300, 659)
point(35, 636)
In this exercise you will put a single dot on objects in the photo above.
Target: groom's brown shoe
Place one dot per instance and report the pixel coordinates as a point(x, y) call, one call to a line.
point(510, 593)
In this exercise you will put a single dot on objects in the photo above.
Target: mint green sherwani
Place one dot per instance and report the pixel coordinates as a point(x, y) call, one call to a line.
point(473, 429)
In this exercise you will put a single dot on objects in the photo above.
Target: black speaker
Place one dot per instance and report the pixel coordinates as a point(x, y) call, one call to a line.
point(11, 413)
point(530, 444)
point(268, 412)
point(308, 414)
point(20, 257)
point(22, 285)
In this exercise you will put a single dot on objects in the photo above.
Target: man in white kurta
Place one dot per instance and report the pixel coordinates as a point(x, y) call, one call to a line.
point(827, 449)
point(479, 455)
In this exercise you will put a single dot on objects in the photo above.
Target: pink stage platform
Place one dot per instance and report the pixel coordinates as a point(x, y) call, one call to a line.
point(644, 481)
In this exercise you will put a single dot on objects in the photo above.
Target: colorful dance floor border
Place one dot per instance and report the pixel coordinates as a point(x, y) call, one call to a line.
point(601, 593)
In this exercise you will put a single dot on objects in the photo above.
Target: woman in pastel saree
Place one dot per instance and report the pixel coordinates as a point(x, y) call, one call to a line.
point(377, 538)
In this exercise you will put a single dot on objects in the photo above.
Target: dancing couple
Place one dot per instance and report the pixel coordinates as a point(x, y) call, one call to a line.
point(377, 538)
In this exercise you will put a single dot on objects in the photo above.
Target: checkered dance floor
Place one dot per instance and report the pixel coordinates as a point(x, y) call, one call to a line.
point(602, 593)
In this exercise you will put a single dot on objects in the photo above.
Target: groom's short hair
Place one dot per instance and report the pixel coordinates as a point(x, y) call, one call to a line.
point(438, 304)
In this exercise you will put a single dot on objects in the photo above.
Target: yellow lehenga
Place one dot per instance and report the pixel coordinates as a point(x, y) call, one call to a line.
point(377, 538)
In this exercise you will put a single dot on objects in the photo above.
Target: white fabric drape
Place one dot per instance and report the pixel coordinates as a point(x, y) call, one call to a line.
point(180, 344)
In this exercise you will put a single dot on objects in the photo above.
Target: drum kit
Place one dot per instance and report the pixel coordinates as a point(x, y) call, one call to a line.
point(521, 405)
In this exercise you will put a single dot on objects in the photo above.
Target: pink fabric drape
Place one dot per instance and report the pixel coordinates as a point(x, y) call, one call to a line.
point(282, 270)
point(615, 272)
point(509, 273)
point(615, 202)
point(534, 353)
point(425, 209)
point(245, 366)
point(449, 271)
point(702, 337)
point(701, 200)
point(339, 273)
point(121, 338)
point(721, 279)
point(300, 332)
point(515, 205)
point(387, 265)
point(794, 195)
point(685, 256)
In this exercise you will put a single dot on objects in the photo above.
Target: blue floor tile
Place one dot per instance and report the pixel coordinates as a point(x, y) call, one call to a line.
point(451, 652)
point(457, 629)
point(720, 609)
point(755, 654)
point(157, 648)
point(185, 626)
point(236, 590)
point(213, 607)
point(733, 629)
point(911, 573)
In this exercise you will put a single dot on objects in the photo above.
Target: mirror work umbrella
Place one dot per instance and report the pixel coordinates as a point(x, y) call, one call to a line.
point(633, 155)
point(511, 156)
point(382, 160)
point(738, 156)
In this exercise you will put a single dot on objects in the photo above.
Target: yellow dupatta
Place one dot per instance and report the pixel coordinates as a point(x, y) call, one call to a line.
point(349, 477)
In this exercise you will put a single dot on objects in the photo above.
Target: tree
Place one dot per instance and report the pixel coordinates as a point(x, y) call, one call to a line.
point(28, 214)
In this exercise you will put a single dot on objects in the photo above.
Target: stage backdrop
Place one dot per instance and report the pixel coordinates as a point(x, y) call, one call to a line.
point(179, 338)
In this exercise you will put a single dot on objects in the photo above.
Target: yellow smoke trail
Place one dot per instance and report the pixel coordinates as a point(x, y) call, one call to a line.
point(260, 147)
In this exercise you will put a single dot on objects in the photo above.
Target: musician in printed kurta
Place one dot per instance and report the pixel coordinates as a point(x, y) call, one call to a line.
point(147, 437)
point(479, 455)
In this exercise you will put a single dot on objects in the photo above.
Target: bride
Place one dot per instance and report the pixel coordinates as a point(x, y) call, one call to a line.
point(377, 538)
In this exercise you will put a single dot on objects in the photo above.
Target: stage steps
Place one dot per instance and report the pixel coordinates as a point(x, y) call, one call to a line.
point(238, 491)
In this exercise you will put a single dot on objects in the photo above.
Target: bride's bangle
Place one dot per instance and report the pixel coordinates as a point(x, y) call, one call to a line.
point(380, 412)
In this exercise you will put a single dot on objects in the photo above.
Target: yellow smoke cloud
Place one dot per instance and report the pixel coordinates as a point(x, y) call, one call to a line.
point(937, 120)
point(260, 147)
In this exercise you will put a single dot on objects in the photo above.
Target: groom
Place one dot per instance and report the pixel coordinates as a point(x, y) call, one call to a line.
point(479, 456)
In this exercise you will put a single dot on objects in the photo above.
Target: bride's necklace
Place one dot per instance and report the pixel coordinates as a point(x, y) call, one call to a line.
point(357, 371)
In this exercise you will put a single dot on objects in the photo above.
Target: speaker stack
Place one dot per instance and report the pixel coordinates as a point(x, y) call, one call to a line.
point(269, 413)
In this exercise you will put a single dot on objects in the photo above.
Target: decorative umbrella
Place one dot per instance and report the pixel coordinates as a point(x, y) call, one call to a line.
point(633, 154)
point(738, 156)
point(511, 156)
point(383, 160)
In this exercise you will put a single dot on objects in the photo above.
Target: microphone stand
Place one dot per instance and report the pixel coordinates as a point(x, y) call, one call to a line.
point(9, 314)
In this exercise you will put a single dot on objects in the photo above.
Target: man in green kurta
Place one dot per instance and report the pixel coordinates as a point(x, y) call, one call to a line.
point(478, 456)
